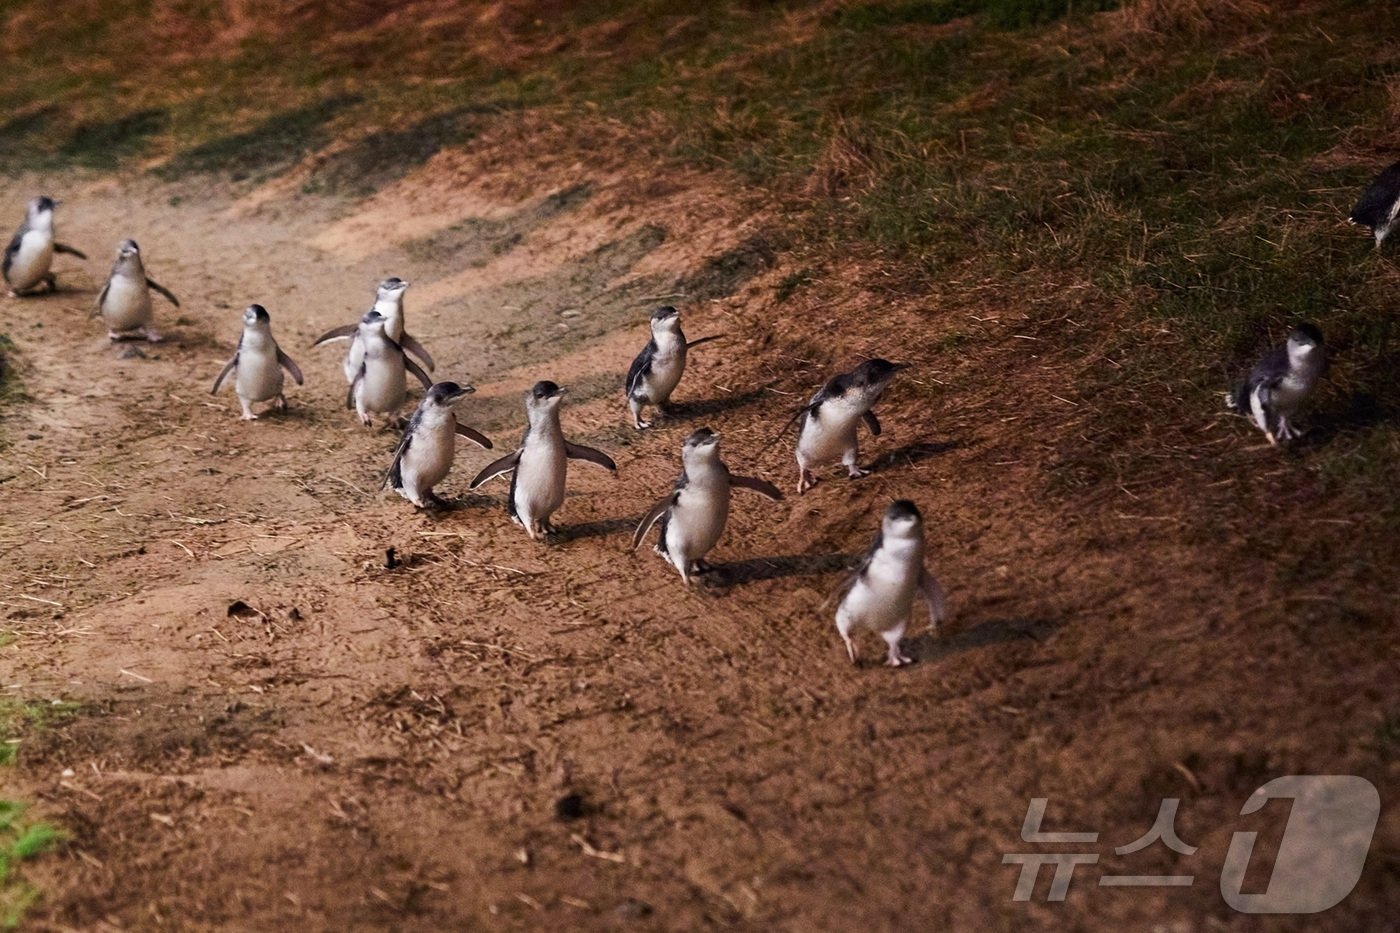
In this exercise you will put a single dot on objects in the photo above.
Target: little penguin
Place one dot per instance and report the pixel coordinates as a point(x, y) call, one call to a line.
point(1379, 205)
point(425, 454)
point(657, 370)
point(694, 514)
point(30, 252)
point(125, 301)
point(257, 364)
point(1279, 383)
point(381, 385)
point(880, 594)
point(388, 302)
point(539, 466)
point(827, 424)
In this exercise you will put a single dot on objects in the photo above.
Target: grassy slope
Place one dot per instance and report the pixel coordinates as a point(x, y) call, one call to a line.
point(1160, 190)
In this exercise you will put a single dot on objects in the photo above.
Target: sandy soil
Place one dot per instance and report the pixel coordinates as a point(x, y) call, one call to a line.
point(277, 731)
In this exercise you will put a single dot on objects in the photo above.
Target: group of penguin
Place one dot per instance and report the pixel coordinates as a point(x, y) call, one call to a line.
point(691, 518)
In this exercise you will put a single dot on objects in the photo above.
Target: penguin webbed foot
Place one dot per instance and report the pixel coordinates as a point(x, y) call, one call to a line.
point(281, 402)
point(855, 472)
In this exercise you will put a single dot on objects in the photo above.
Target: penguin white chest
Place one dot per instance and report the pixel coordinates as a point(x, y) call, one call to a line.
point(259, 375)
point(383, 386)
point(127, 305)
point(539, 478)
point(31, 263)
point(667, 367)
point(883, 596)
point(1291, 391)
point(830, 431)
point(697, 519)
point(429, 457)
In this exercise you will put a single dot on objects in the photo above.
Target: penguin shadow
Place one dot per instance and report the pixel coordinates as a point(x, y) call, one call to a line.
point(463, 502)
point(911, 453)
point(1362, 411)
point(926, 646)
point(704, 408)
point(755, 569)
point(595, 529)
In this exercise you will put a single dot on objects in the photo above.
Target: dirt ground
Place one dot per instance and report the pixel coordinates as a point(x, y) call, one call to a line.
point(278, 731)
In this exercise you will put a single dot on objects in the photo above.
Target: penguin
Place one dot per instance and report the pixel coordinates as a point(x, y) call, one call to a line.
point(424, 455)
point(1279, 383)
point(257, 364)
point(540, 464)
point(30, 252)
point(657, 370)
point(125, 301)
point(1379, 205)
point(693, 515)
point(827, 424)
point(388, 301)
point(381, 385)
point(879, 595)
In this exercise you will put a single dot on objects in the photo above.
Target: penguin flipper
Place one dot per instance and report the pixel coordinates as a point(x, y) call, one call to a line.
point(286, 363)
point(337, 333)
point(497, 468)
point(416, 348)
point(417, 371)
point(394, 478)
point(804, 410)
point(640, 367)
point(350, 392)
point(102, 295)
point(11, 251)
point(70, 250)
point(935, 597)
point(697, 342)
point(169, 296)
point(649, 519)
point(473, 435)
point(591, 454)
point(228, 368)
point(760, 486)
point(871, 422)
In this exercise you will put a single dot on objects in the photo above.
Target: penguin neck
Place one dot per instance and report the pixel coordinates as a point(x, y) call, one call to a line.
point(1304, 359)
point(704, 469)
point(392, 310)
point(545, 421)
point(667, 341)
point(42, 222)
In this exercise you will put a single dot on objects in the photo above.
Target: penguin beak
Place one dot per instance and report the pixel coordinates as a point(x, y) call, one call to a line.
point(462, 392)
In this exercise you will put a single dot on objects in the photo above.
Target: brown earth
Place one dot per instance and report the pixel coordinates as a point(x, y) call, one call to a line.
point(279, 732)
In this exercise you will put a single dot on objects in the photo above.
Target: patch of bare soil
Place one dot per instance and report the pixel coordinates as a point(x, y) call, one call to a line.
point(282, 729)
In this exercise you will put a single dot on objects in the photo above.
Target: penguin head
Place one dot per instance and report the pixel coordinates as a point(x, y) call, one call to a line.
point(256, 316)
point(41, 209)
point(447, 394)
point(1304, 339)
point(873, 376)
point(902, 520)
point(128, 255)
point(373, 321)
point(543, 397)
point(392, 287)
point(665, 319)
point(702, 444)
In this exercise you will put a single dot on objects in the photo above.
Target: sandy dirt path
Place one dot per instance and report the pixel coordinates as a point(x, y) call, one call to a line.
point(277, 731)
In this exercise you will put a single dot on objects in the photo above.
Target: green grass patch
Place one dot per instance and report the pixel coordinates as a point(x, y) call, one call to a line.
point(21, 840)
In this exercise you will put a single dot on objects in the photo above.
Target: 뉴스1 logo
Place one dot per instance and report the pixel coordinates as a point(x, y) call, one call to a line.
point(1320, 857)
